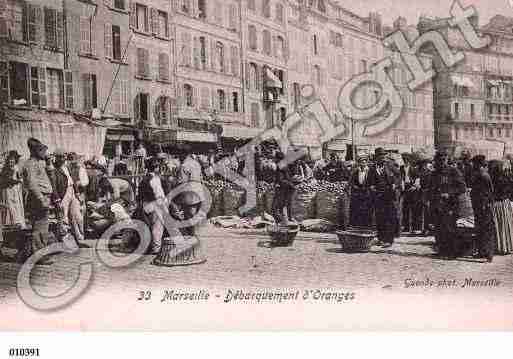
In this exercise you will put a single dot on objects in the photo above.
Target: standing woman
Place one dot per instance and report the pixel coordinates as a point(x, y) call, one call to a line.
point(502, 214)
point(11, 192)
point(361, 200)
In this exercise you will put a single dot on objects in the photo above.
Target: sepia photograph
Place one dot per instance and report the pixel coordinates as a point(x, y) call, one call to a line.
point(255, 165)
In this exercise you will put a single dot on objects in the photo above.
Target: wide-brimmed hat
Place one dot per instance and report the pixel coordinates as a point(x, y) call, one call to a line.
point(13, 154)
point(379, 152)
point(441, 153)
point(35, 144)
point(59, 152)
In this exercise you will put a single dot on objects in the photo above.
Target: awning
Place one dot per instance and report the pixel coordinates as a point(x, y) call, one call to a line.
point(494, 82)
point(122, 137)
point(272, 81)
point(230, 131)
point(456, 80)
point(196, 136)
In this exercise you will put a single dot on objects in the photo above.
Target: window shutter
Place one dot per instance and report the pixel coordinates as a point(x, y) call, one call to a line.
point(248, 76)
point(108, 40)
point(215, 100)
point(164, 67)
point(50, 27)
point(4, 82)
point(179, 96)
point(42, 86)
point(32, 23)
point(60, 30)
point(196, 52)
point(68, 90)
point(87, 91)
point(258, 77)
point(286, 50)
point(146, 56)
point(205, 98)
point(195, 97)
point(235, 61)
point(154, 21)
point(213, 54)
point(133, 16)
point(233, 17)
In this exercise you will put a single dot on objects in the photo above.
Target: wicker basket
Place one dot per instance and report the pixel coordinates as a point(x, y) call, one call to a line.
point(283, 236)
point(356, 240)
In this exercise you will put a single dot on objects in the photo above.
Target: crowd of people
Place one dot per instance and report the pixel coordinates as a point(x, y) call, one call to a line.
point(389, 192)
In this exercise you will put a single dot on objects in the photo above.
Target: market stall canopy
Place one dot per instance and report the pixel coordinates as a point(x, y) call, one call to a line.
point(56, 130)
point(233, 131)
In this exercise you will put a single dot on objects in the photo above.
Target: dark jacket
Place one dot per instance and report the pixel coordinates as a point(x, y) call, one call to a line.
point(447, 180)
point(384, 183)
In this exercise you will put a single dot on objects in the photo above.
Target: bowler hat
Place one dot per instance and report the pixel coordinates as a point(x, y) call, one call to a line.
point(35, 144)
point(479, 160)
point(441, 153)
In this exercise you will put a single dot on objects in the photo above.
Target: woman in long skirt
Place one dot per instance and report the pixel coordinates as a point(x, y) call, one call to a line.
point(500, 173)
point(11, 192)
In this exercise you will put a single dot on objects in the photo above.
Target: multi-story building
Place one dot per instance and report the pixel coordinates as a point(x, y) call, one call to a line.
point(208, 69)
point(473, 99)
point(329, 46)
point(266, 54)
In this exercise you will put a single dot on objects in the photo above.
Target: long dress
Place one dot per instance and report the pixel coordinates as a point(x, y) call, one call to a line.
point(11, 197)
point(503, 215)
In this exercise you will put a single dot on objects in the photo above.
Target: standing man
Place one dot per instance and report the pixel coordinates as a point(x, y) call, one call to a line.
point(39, 190)
point(285, 188)
point(447, 183)
point(66, 193)
point(361, 202)
point(482, 199)
point(411, 208)
point(425, 184)
point(384, 183)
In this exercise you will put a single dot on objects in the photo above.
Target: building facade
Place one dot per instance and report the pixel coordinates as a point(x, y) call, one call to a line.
point(473, 99)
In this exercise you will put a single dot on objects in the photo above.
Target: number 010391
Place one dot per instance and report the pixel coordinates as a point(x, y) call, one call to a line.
point(23, 352)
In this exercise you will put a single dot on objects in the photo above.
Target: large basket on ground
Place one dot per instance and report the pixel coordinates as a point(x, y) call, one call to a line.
point(327, 206)
point(356, 240)
point(283, 236)
point(170, 257)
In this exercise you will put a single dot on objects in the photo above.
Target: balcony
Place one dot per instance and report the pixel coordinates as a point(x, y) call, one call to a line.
point(500, 118)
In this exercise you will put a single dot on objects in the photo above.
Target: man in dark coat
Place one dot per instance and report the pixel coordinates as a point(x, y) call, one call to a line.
point(285, 188)
point(482, 198)
point(39, 194)
point(411, 205)
point(447, 183)
point(383, 183)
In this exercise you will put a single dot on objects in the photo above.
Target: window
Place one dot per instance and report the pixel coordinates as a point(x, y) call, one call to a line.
point(186, 6)
point(162, 111)
point(188, 94)
point(17, 14)
point(232, 20)
point(279, 13)
point(220, 56)
point(251, 5)
point(202, 9)
point(235, 61)
point(89, 89)
point(143, 63)
point(34, 86)
point(490, 131)
point(141, 13)
point(54, 28)
point(281, 76)
point(280, 47)
point(315, 45)
point(321, 6)
point(86, 43)
point(221, 98)
point(163, 24)
point(253, 77)
point(472, 110)
point(116, 43)
point(119, 4)
point(252, 37)
point(235, 101)
point(456, 109)
point(203, 52)
point(34, 20)
point(266, 8)
point(163, 67)
point(19, 83)
point(141, 107)
point(255, 115)
point(363, 66)
point(120, 98)
point(186, 49)
point(55, 88)
point(266, 42)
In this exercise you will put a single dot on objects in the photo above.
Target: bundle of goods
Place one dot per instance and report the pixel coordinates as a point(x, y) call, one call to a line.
point(303, 205)
point(317, 225)
point(465, 206)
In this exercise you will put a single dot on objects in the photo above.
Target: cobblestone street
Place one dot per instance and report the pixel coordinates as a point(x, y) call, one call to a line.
point(240, 259)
